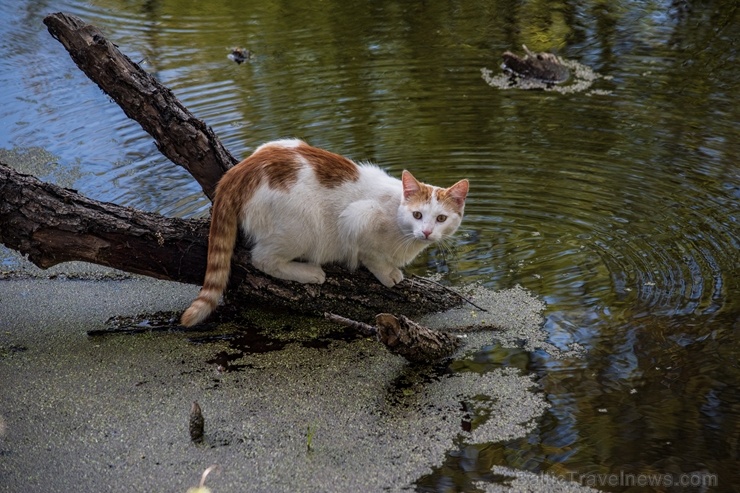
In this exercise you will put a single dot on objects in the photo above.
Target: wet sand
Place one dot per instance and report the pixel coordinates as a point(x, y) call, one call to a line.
point(111, 413)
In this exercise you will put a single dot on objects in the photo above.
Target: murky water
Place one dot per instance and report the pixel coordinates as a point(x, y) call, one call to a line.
point(616, 204)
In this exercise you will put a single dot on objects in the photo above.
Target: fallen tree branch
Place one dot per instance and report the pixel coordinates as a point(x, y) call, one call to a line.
point(465, 299)
point(53, 225)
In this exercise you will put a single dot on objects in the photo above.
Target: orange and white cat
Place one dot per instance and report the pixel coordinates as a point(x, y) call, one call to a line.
point(302, 207)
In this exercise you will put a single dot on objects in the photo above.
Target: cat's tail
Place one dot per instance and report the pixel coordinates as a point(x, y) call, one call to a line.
point(221, 241)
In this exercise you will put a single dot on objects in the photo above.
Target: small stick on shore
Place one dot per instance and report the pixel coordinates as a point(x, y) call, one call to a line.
point(403, 336)
point(450, 290)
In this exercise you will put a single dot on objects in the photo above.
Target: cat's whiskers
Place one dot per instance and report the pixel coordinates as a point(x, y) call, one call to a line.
point(405, 242)
point(401, 246)
point(446, 247)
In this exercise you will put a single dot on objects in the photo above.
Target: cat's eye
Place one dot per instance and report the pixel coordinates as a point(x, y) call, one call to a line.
point(416, 214)
point(441, 218)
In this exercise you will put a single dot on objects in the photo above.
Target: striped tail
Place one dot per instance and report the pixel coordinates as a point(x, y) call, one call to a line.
point(221, 241)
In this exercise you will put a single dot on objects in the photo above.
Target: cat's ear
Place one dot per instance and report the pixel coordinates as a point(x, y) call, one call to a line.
point(411, 185)
point(458, 192)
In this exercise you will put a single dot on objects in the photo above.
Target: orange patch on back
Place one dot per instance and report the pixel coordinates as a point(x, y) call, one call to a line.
point(278, 165)
point(331, 169)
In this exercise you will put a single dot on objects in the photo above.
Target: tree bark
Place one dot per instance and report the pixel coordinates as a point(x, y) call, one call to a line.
point(52, 225)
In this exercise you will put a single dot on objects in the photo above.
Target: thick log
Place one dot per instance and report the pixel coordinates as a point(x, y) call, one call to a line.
point(51, 225)
point(179, 135)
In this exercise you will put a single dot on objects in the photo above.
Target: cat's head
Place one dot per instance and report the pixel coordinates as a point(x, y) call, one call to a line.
point(431, 213)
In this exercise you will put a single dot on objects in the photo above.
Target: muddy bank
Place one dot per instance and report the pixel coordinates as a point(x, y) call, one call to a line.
point(110, 413)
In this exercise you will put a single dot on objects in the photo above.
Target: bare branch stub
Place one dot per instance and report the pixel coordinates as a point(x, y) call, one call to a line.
point(179, 135)
point(403, 336)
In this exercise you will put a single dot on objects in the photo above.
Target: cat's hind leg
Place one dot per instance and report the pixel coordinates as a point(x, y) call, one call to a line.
point(275, 265)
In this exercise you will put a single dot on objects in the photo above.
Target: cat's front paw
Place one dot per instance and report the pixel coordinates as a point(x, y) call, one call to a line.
point(311, 274)
point(391, 278)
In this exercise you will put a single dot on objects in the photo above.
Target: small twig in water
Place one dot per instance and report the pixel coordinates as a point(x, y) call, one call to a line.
point(365, 329)
point(446, 288)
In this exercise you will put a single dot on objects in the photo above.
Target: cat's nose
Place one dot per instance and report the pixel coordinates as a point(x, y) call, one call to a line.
point(426, 233)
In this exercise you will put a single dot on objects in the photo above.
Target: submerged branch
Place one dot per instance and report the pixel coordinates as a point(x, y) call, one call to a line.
point(403, 336)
